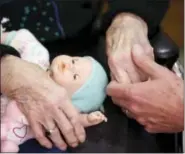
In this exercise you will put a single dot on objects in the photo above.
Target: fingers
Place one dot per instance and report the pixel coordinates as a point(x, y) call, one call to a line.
point(39, 134)
point(72, 114)
point(119, 74)
point(55, 135)
point(120, 102)
point(57, 139)
point(65, 127)
point(139, 93)
point(146, 64)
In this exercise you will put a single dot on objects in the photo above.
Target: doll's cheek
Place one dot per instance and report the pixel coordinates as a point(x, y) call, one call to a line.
point(58, 79)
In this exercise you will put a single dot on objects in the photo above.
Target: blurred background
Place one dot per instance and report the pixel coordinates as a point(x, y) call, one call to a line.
point(173, 25)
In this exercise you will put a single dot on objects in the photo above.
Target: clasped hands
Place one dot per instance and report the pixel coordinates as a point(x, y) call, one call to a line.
point(150, 93)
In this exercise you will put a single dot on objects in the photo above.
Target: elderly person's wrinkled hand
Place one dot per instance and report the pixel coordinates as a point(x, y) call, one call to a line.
point(125, 31)
point(45, 104)
point(157, 103)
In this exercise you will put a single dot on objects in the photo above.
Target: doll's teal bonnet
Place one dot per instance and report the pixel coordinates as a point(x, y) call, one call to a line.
point(91, 95)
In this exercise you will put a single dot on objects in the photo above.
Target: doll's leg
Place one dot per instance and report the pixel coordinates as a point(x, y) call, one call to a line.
point(93, 118)
point(9, 146)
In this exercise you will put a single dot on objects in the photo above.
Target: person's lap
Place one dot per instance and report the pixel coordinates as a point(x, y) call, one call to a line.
point(119, 134)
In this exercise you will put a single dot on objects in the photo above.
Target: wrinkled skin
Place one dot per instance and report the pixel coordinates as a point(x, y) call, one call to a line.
point(37, 93)
point(157, 103)
point(125, 31)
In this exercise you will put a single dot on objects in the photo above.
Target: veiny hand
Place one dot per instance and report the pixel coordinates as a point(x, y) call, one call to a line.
point(125, 31)
point(157, 103)
point(45, 104)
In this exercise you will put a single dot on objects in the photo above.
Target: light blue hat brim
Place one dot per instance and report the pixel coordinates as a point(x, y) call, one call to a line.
point(91, 95)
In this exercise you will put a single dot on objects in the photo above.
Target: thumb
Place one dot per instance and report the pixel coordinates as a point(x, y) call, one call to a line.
point(147, 65)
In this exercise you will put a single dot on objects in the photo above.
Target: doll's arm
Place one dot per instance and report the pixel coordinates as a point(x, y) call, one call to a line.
point(92, 118)
point(28, 46)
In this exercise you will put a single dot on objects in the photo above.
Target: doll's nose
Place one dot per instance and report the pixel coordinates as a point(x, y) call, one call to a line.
point(65, 66)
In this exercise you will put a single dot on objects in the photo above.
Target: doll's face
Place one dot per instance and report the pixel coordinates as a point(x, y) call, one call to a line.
point(70, 72)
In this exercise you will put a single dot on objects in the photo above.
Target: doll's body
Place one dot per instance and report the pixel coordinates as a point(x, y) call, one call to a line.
point(15, 128)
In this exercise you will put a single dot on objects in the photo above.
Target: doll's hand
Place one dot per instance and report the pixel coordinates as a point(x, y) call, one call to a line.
point(92, 119)
point(96, 117)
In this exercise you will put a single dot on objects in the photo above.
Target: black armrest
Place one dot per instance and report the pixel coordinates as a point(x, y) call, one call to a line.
point(165, 50)
point(166, 53)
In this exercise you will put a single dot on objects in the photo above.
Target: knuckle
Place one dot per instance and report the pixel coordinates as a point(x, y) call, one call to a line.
point(68, 130)
point(74, 121)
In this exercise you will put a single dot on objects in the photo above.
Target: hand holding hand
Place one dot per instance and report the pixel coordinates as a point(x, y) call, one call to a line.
point(157, 104)
point(125, 31)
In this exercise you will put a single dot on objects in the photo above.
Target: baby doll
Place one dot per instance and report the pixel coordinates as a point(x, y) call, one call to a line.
point(83, 77)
